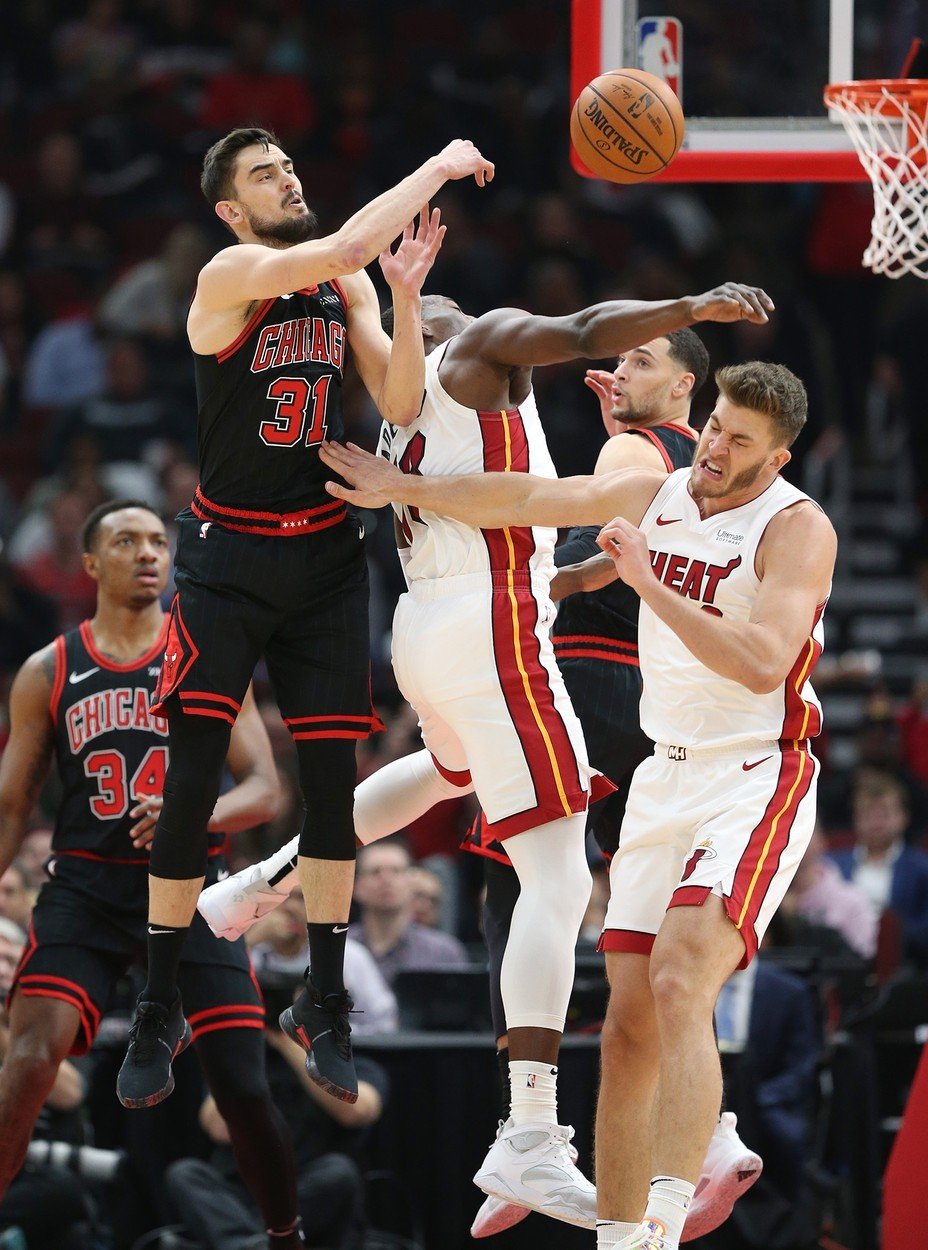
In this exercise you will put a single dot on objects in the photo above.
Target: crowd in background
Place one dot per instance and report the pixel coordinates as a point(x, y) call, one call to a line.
point(107, 108)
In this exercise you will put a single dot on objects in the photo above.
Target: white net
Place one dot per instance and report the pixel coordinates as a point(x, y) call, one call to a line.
point(888, 124)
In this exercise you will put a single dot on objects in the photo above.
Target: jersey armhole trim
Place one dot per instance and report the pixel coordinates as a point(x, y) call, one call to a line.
point(58, 683)
point(341, 291)
point(256, 318)
point(655, 442)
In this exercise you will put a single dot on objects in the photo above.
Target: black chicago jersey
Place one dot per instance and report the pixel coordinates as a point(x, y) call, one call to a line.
point(607, 619)
point(111, 751)
point(268, 399)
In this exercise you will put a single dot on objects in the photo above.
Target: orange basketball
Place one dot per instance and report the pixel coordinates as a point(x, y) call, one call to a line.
point(626, 125)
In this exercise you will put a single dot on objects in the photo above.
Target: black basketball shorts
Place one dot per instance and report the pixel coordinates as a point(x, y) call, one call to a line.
point(301, 603)
point(78, 949)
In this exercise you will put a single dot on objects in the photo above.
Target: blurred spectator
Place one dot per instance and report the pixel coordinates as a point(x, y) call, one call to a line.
point(58, 573)
point(771, 1044)
point(60, 223)
point(427, 890)
point(27, 620)
point(821, 894)
point(98, 43)
point(912, 720)
point(278, 946)
point(34, 851)
point(65, 364)
point(16, 896)
point(80, 471)
point(152, 299)
point(216, 1208)
point(252, 89)
point(888, 872)
point(12, 941)
point(129, 415)
point(383, 892)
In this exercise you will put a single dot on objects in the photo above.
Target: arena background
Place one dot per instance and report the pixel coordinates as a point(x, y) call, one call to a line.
point(107, 108)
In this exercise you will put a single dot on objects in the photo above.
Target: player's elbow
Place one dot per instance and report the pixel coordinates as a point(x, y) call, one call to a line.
point(764, 678)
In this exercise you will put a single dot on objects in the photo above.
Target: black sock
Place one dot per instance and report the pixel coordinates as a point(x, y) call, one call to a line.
point(165, 944)
point(288, 867)
point(327, 957)
point(505, 1085)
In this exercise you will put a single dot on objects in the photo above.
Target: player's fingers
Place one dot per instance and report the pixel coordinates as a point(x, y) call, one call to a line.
point(340, 492)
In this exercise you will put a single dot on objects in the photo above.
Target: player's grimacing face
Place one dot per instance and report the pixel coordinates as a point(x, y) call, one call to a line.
point(735, 448)
point(131, 556)
point(270, 195)
point(643, 382)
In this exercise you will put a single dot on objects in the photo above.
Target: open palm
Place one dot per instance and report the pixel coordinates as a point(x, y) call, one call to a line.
point(405, 269)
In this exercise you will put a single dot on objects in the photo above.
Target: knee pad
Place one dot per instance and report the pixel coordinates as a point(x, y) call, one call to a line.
point(328, 772)
point(199, 746)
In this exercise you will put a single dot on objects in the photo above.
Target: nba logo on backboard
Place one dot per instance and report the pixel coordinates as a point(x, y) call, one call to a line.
point(660, 49)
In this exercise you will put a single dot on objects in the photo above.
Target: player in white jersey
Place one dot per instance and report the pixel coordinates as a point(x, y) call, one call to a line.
point(733, 567)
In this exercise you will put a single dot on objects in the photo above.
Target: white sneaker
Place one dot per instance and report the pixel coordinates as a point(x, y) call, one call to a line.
point(529, 1165)
point(729, 1171)
point(495, 1216)
point(232, 906)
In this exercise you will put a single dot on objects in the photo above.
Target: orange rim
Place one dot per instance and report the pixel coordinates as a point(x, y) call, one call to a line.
point(869, 92)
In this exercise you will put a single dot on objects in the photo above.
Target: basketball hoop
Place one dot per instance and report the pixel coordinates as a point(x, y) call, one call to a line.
point(887, 120)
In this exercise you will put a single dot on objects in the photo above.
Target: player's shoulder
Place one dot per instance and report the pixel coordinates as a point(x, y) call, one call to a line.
point(629, 450)
point(486, 326)
point(800, 527)
point(37, 676)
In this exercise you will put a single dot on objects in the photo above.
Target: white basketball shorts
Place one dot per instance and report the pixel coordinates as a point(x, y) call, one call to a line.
point(734, 822)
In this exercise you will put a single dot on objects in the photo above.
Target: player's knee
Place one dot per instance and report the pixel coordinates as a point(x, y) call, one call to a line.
point(32, 1060)
point(630, 1026)
point(678, 982)
point(328, 772)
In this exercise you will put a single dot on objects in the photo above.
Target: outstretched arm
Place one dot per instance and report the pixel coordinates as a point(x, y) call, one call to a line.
point(246, 272)
point(28, 752)
point(490, 500)
point(509, 336)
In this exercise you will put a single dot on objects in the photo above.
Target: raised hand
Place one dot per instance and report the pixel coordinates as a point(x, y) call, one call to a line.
point(405, 269)
point(461, 158)
point(601, 382)
point(733, 301)
point(376, 481)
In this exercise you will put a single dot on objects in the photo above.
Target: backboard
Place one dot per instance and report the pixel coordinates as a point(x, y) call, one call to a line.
point(750, 75)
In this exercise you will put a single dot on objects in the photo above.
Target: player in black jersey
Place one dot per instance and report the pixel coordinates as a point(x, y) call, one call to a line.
point(268, 564)
point(85, 702)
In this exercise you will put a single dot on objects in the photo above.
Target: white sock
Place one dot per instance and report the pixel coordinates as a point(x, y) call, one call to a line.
point(669, 1200)
point(534, 1091)
point(611, 1232)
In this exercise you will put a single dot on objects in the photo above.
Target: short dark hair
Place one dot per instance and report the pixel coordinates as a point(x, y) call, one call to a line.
point(688, 350)
point(768, 388)
point(219, 161)
point(92, 524)
point(428, 301)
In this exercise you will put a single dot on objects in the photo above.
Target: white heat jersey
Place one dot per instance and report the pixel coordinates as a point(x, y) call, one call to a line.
point(448, 438)
point(712, 561)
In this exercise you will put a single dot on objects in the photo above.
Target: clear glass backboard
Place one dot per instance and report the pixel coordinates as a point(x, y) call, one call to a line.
point(750, 75)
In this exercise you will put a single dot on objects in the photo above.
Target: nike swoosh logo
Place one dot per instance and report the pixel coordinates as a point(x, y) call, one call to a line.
point(747, 767)
point(673, 520)
point(157, 931)
point(76, 677)
point(340, 928)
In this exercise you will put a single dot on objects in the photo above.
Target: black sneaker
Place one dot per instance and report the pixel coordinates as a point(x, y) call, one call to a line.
point(321, 1027)
point(157, 1036)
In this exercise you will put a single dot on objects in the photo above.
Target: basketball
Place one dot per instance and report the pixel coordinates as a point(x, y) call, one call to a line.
point(626, 125)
